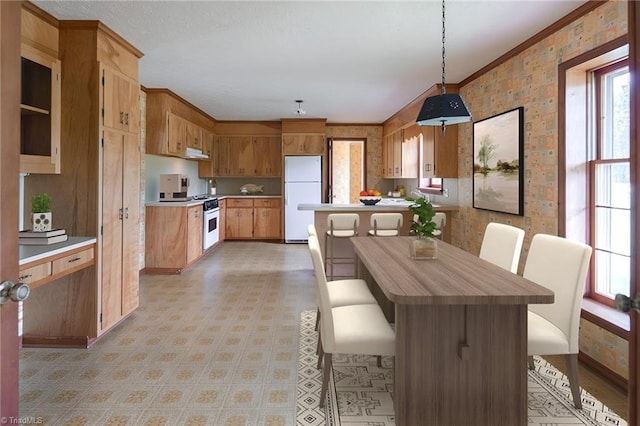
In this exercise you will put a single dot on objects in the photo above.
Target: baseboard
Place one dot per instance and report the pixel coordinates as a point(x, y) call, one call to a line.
point(56, 342)
point(604, 372)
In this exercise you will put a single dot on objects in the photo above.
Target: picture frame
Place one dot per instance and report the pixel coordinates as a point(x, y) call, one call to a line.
point(498, 162)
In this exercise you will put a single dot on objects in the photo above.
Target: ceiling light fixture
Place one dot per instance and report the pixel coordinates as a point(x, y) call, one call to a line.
point(300, 111)
point(445, 108)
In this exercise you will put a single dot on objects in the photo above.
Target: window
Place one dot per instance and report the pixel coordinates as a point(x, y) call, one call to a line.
point(609, 184)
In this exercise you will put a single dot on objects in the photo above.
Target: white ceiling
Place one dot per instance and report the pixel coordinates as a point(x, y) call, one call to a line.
point(351, 62)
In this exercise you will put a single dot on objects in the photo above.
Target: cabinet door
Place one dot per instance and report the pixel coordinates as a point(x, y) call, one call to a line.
point(131, 223)
point(120, 107)
point(267, 156)
point(112, 217)
point(446, 152)
point(297, 144)
point(266, 223)
point(241, 156)
point(387, 153)
point(428, 152)
point(193, 136)
point(194, 233)
point(177, 132)
point(239, 223)
point(222, 220)
point(410, 157)
point(40, 112)
point(397, 154)
point(221, 153)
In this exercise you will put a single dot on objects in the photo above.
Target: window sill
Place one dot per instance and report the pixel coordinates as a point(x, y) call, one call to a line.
point(434, 191)
point(606, 317)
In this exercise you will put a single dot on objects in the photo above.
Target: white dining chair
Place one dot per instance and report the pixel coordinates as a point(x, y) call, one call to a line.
point(441, 221)
point(501, 245)
point(311, 230)
point(385, 224)
point(560, 265)
point(343, 292)
point(353, 329)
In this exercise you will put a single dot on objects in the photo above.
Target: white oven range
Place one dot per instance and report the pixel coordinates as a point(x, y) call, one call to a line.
point(211, 215)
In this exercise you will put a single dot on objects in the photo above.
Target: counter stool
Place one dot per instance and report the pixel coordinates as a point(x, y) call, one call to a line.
point(341, 225)
point(386, 224)
point(441, 220)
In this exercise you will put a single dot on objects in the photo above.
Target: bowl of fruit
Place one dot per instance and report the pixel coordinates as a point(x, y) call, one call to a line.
point(370, 197)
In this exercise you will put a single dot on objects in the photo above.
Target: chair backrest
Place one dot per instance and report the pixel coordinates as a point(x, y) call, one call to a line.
point(560, 265)
point(326, 317)
point(440, 219)
point(501, 245)
point(311, 229)
point(343, 221)
point(386, 221)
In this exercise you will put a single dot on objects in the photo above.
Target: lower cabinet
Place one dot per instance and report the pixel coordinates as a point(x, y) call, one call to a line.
point(173, 237)
point(253, 218)
point(222, 220)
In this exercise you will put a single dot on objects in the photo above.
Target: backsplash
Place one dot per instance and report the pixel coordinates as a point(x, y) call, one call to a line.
point(231, 186)
point(155, 165)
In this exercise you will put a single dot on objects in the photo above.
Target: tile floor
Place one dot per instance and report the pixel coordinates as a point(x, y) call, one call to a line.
point(216, 345)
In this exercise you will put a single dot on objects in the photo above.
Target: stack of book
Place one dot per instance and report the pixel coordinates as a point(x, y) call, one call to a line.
point(30, 237)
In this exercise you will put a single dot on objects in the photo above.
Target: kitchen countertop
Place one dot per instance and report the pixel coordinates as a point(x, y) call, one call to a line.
point(381, 206)
point(30, 253)
point(196, 202)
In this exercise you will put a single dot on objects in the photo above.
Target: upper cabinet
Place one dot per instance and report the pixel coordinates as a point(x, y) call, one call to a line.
point(176, 128)
point(400, 155)
point(40, 95)
point(121, 101)
point(236, 156)
point(425, 151)
point(304, 136)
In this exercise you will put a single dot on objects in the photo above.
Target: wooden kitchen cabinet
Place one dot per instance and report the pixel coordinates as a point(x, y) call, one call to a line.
point(239, 218)
point(173, 125)
point(97, 191)
point(439, 152)
point(222, 220)
point(303, 144)
point(267, 218)
point(40, 99)
point(253, 218)
point(121, 101)
point(241, 156)
point(244, 156)
point(173, 237)
point(267, 156)
point(194, 233)
point(120, 226)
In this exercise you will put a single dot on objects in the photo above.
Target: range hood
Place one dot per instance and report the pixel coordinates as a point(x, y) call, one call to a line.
point(195, 153)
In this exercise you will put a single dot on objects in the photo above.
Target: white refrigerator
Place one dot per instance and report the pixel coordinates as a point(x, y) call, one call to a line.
point(302, 185)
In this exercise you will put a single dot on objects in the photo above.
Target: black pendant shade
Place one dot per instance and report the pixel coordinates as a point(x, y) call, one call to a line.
point(443, 109)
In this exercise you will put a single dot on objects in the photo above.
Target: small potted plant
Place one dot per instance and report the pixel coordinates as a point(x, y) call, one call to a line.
point(425, 246)
point(41, 212)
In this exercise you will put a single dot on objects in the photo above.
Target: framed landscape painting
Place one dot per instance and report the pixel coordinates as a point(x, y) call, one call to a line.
point(498, 153)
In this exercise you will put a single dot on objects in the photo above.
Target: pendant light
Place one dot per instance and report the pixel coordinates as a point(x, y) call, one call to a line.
point(445, 108)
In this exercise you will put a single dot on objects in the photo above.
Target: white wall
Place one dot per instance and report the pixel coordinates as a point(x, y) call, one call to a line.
point(156, 165)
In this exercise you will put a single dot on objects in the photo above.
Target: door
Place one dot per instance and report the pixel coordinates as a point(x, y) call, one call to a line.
point(10, 13)
point(130, 223)
point(112, 219)
point(347, 170)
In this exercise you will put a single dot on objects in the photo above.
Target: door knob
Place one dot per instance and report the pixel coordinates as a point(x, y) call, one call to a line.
point(624, 303)
point(13, 292)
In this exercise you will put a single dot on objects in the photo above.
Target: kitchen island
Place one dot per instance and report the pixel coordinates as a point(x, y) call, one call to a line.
point(386, 205)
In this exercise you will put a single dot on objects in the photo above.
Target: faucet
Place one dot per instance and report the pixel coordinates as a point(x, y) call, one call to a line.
point(416, 193)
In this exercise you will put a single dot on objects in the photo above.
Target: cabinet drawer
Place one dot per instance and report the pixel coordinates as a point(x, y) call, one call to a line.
point(268, 202)
point(72, 261)
point(35, 273)
point(235, 202)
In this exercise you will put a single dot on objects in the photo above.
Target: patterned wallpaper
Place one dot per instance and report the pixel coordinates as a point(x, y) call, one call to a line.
point(373, 134)
point(530, 80)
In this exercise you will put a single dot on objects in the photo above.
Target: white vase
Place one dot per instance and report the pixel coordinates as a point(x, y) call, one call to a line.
point(41, 222)
point(423, 248)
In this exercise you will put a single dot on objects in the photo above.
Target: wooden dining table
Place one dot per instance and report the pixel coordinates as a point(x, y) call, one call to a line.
point(461, 333)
